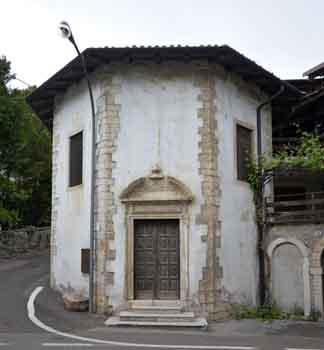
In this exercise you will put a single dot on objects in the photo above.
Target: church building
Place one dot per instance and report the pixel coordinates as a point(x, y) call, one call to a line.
point(174, 216)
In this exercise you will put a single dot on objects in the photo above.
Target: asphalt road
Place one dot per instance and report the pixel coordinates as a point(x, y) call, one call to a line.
point(19, 278)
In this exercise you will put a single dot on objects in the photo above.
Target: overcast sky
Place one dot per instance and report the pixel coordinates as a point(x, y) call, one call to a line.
point(284, 36)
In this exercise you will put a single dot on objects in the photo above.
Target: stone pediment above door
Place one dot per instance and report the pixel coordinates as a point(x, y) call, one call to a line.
point(156, 188)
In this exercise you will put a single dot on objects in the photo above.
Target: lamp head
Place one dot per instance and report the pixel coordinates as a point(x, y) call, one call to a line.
point(65, 30)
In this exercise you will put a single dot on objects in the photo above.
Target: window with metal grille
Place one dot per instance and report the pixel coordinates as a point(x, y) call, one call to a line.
point(244, 150)
point(76, 155)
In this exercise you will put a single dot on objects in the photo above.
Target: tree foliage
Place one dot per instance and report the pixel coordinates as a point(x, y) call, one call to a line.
point(307, 153)
point(25, 158)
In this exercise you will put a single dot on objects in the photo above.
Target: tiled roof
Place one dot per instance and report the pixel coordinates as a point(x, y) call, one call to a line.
point(42, 99)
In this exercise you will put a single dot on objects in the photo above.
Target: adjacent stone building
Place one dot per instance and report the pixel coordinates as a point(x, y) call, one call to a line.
point(294, 224)
point(174, 214)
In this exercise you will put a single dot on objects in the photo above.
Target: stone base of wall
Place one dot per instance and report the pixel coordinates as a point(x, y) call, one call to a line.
point(25, 240)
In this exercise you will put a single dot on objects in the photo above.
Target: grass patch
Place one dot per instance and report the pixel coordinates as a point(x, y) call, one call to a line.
point(270, 312)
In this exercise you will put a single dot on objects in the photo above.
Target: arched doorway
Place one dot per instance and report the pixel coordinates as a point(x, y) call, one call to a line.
point(287, 277)
point(290, 279)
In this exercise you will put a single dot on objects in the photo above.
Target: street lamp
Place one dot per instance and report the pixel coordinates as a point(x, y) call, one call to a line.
point(66, 32)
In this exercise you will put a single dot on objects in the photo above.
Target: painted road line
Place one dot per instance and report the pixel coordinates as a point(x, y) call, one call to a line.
point(32, 316)
point(301, 349)
point(67, 344)
point(4, 344)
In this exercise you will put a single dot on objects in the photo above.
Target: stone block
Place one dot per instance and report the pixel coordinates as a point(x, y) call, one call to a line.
point(111, 235)
point(111, 254)
point(75, 303)
point(110, 277)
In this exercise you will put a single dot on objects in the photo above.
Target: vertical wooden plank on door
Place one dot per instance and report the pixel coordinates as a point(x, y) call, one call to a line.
point(157, 259)
point(144, 260)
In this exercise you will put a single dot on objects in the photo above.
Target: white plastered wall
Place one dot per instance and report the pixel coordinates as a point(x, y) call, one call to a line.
point(158, 125)
point(238, 229)
point(72, 115)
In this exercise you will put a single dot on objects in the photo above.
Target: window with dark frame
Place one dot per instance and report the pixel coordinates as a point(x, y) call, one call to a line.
point(244, 151)
point(76, 159)
point(85, 260)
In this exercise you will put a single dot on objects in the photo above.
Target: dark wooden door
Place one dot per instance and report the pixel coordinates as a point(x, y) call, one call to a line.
point(157, 259)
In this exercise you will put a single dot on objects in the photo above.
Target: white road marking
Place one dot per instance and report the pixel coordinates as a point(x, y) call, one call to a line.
point(300, 349)
point(4, 344)
point(66, 344)
point(40, 324)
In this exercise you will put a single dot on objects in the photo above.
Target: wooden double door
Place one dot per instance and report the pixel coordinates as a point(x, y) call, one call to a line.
point(156, 259)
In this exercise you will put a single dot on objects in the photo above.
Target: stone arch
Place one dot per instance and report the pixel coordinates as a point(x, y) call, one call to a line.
point(300, 245)
point(156, 188)
point(305, 266)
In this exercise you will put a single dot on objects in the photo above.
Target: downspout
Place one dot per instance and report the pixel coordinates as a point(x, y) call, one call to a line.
point(260, 228)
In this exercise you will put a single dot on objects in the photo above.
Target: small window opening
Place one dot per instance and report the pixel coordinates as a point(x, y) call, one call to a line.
point(76, 159)
point(244, 151)
point(85, 260)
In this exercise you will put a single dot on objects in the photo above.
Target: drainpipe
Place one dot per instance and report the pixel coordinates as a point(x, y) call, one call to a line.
point(66, 32)
point(260, 230)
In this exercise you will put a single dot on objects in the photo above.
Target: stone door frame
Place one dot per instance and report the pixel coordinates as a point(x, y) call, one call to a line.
point(184, 256)
point(157, 197)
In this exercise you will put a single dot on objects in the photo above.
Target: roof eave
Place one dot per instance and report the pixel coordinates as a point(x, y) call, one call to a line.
point(42, 99)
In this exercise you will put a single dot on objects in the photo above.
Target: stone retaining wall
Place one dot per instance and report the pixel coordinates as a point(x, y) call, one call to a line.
point(24, 240)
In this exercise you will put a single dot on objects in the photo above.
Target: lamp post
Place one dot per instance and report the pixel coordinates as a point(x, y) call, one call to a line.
point(66, 32)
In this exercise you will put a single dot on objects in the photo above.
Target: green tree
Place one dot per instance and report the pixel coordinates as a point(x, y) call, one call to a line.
point(25, 158)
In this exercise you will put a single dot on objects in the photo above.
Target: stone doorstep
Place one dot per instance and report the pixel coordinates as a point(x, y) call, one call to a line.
point(150, 303)
point(155, 316)
point(196, 323)
point(149, 313)
point(157, 309)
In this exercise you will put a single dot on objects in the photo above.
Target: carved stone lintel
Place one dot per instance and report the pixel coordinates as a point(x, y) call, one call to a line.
point(156, 188)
